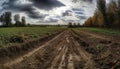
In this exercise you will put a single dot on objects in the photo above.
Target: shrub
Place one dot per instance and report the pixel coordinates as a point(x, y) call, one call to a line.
point(17, 39)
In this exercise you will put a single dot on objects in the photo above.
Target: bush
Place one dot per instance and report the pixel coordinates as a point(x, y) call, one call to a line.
point(17, 39)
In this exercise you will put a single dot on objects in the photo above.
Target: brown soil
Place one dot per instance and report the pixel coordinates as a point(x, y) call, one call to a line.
point(105, 49)
point(71, 50)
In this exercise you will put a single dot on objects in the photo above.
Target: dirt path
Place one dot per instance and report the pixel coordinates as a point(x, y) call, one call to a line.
point(62, 52)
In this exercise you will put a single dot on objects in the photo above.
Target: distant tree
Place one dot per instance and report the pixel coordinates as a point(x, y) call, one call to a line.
point(2, 19)
point(5, 18)
point(74, 25)
point(89, 22)
point(28, 24)
point(112, 13)
point(95, 19)
point(17, 17)
point(58, 25)
point(70, 25)
point(101, 5)
point(8, 19)
point(105, 16)
point(23, 21)
point(78, 24)
point(17, 20)
point(119, 12)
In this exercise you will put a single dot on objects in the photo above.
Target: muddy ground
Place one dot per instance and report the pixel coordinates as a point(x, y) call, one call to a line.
point(71, 49)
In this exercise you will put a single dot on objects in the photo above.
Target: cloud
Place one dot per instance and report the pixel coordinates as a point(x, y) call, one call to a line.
point(82, 0)
point(47, 4)
point(29, 7)
point(35, 15)
point(78, 9)
point(14, 6)
point(67, 13)
point(88, 0)
point(48, 11)
point(41, 4)
point(79, 12)
point(82, 17)
point(50, 19)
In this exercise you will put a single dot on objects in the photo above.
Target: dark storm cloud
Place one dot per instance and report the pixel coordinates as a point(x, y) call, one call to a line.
point(41, 4)
point(29, 8)
point(82, 0)
point(88, 0)
point(36, 15)
point(46, 4)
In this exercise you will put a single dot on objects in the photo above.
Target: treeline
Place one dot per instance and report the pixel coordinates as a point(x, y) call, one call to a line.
point(106, 15)
point(6, 20)
point(73, 25)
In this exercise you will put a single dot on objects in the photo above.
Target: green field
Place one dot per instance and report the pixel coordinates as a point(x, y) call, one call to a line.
point(103, 31)
point(9, 36)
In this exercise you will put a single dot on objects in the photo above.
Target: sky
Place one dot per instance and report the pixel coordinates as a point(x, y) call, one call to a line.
point(50, 11)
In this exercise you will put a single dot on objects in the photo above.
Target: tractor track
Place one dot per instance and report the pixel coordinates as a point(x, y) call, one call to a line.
point(66, 51)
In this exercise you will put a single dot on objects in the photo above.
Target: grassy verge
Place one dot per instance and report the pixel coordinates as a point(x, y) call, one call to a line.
point(9, 36)
point(104, 31)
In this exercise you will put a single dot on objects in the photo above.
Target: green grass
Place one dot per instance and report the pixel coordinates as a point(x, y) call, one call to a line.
point(104, 31)
point(28, 33)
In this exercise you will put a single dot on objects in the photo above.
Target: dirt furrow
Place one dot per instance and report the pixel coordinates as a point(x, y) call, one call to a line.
point(104, 51)
point(55, 62)
point(41, 49)
point(62, 64)
point(68, 50)
point(70, 62)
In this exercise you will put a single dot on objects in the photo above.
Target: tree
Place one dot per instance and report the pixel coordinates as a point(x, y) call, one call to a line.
point(78, 24)
point(74, 25)
point(17, 20)
point(97, 20)
point(6, 19)
point(17, 17)
point(23, 21)
point(107, 17)
point(70, 25)
point(101, 5)
point(119, 12)
point(112, 13)
point(89, 22)
point(2, 19)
